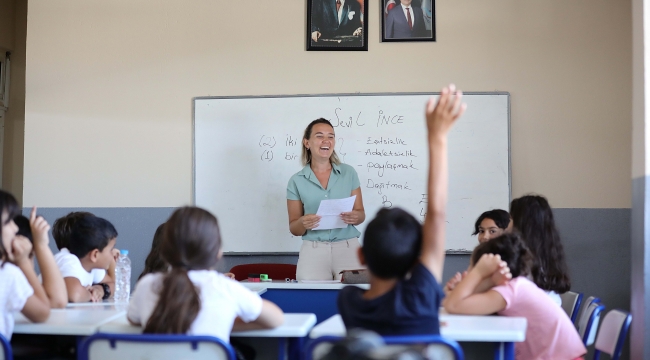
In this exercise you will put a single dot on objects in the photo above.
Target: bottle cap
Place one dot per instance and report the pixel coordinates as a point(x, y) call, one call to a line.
point(124, 252)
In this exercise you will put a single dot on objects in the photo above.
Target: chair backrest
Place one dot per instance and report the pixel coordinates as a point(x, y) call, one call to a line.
point(121, 346)
point(571, 304)
point(6, 353)
point(275, 271)
point(612, 334)
point(437, 347)
point(588, 325)
point(585, 304)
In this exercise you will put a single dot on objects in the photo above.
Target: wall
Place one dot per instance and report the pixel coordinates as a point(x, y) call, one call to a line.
point(13, 37)
point(110, 87)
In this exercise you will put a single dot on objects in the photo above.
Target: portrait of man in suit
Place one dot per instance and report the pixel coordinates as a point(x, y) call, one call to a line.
point(408, 19)
point(337, 23)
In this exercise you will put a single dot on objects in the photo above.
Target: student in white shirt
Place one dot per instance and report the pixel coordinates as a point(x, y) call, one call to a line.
point(35, 229)
point(90, 246)
point(193, 298)
point(61, 232)
point(20, 289)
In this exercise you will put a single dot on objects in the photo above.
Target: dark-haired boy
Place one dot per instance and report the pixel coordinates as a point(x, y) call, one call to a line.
point(89, 247)
point(405, 259)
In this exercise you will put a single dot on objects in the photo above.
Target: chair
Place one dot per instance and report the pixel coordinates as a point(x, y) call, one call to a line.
point(441, 348)
point(571, 302)
point(121, 346)
point(612, 334)
point(588, 324)
point(585, 305)
point(6, 349)
point(275, 271)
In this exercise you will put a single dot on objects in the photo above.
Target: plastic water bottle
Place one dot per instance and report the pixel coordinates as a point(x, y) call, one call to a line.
point(123, 277)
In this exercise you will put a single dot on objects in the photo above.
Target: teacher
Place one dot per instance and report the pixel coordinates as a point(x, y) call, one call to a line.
point(324, 253)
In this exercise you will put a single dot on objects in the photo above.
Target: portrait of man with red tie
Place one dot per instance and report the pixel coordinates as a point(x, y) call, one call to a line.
point(408, 20)
point(336, 25)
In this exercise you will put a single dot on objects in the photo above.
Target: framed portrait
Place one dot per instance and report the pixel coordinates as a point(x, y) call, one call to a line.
point(337, 25)
point(408, 20)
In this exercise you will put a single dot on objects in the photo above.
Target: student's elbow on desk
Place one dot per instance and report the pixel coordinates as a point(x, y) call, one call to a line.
point(59, 303)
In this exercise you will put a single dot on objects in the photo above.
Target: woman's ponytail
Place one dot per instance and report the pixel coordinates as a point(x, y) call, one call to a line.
point(178, 305)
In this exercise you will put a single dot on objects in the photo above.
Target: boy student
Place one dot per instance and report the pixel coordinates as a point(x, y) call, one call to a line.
point(395, 244)
point(89, 247)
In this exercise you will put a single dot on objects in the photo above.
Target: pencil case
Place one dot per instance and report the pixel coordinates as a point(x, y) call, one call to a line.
point(359, 276)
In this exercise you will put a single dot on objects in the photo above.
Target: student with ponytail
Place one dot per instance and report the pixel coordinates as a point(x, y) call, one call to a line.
point(193, 298)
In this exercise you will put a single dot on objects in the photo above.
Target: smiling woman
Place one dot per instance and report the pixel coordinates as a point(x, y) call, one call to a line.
point(325, 252)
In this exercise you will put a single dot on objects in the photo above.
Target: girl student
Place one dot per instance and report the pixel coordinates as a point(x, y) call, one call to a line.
point(20, 289)
point(154, 262)
point(193, 298)
point(550, 333)
point(532, 216)
point(489, 225)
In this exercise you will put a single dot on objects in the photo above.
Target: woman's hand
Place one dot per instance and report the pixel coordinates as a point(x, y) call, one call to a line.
point(230, 275)
point(352, 217)
point(310, 221)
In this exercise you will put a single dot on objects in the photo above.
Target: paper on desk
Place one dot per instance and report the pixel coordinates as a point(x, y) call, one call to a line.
point(330, 213)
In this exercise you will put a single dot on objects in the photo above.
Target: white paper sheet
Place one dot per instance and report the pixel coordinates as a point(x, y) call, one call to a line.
point(330, 213)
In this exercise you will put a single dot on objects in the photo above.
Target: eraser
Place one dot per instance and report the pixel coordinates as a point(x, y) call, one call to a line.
point(264, 277)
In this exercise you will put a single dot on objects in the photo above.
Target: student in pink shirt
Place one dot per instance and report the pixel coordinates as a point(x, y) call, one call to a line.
point(550, 333)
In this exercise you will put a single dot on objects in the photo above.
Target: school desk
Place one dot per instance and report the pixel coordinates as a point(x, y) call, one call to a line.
point(504, 331)
point(77, 321)
point(303, 297)
point(290, 335)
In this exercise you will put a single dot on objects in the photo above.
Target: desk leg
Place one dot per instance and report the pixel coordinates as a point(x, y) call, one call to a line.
point(504, 351)
point(282, 347)
point(295, 347)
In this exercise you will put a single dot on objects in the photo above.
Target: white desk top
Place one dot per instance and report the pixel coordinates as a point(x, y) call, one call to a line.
point(300, 285)
point(456, 327)
point(72, 321)
point(295, 325)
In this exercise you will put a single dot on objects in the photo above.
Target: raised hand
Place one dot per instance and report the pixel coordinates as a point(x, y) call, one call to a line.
point(40, 229)
point(442, 114)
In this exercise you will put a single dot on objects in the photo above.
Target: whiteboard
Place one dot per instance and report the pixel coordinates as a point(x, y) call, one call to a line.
point(247, 148)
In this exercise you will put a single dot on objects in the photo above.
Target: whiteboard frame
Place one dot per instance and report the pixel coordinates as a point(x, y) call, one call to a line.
point(245, 253)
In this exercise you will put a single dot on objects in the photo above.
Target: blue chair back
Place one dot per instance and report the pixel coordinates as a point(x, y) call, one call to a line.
point(571, 302)
point(612, 334)
point(122, 346)
point(450, 346)
point(588, 325)
point(6, 349)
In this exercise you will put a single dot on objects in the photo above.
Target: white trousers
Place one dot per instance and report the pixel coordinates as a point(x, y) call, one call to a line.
point(320, 260)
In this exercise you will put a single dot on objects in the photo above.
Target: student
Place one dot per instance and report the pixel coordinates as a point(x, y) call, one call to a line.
point(396, 244)
point(63, 227)
point(90, 246)
point(35, 229)
point(550, 333)
point(533, 218)
point(192, 298)
point(20, 289)
point(154, 262)
point(490, 224)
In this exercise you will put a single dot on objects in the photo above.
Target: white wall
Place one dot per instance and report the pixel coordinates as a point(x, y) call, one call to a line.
point(109, 87)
